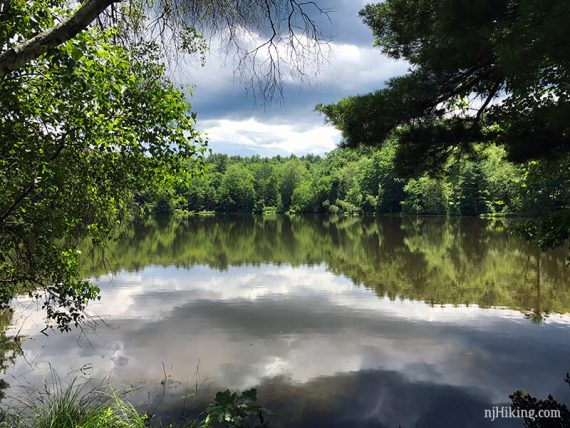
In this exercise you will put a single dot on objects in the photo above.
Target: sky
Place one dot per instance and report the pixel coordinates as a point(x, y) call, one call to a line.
point(237, 124)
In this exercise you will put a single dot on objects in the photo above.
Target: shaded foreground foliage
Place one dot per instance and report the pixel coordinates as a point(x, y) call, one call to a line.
point(523, 401)
point(80, 405)
point(82, 129)
point(479, 72)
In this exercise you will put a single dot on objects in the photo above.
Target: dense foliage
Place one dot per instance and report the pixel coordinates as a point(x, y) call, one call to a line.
point(527, 404)
point(364, 182)
point(464, 55)
point(480, 72)
point(82, 129)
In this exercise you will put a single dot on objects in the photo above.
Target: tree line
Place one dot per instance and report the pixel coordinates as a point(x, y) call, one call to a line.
point(364, 181)
point(90, 122)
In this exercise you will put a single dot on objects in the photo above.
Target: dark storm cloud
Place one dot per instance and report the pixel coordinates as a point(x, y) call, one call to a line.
point(353, 67)
point(223, 103)
point(345, 26)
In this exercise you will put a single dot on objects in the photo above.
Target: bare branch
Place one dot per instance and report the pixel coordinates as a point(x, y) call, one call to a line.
point(485, 104)
point(272, 40)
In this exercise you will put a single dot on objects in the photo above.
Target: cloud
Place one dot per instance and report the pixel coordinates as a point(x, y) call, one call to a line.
point(238, 125)
point(359, 68)
point(218, 91)
point(270, 138)
point(250, 323)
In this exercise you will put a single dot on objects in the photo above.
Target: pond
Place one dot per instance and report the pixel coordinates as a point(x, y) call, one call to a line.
point(337, 322)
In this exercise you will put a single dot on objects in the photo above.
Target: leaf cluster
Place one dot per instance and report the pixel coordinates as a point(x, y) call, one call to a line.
point(233, 410)
point(83, 129)
point(489, 71)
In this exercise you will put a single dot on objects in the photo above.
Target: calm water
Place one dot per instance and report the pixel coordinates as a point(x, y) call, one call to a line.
point(353, 322)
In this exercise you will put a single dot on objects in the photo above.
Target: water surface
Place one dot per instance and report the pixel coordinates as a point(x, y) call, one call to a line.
point(336, 322)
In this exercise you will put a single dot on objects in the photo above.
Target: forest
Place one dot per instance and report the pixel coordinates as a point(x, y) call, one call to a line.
point(364, 181)
point(100, 142)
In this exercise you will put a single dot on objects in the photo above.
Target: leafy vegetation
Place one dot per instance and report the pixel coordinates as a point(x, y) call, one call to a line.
point(236, 411)
point(480, 73)
point(463, 56)
point(77, 404)
point(82, 129)
point(524, 402)
point(80, 405)
point(89, 120)
point(93, 133)
point(363, 181)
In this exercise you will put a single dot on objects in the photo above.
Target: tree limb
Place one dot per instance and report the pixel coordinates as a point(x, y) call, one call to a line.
point(485, 104)
point(18, 56)
point(28, 188)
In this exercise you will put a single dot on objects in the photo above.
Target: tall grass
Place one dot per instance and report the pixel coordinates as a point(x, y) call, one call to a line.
point(70, 410)
point(77, 405)
point(85, 405)
point(114, 413)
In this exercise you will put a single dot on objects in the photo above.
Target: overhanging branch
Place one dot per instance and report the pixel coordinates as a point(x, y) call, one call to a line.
point(18, 56)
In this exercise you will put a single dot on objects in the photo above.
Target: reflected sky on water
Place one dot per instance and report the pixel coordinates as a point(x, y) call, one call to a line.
point(328, 342)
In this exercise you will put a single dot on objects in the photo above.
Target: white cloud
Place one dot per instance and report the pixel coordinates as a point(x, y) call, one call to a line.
point(179, 317)
point(235, 124)
point(272, 138)
point(355, 68)
point(123, 296)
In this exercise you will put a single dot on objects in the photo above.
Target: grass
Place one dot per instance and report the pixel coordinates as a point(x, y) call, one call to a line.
point(77, 405)
point(69, 413)
point(84, 405)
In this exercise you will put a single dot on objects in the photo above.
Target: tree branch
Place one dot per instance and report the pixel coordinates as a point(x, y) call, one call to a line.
point(18, 56)
point(485, 104)
point(29, 188)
